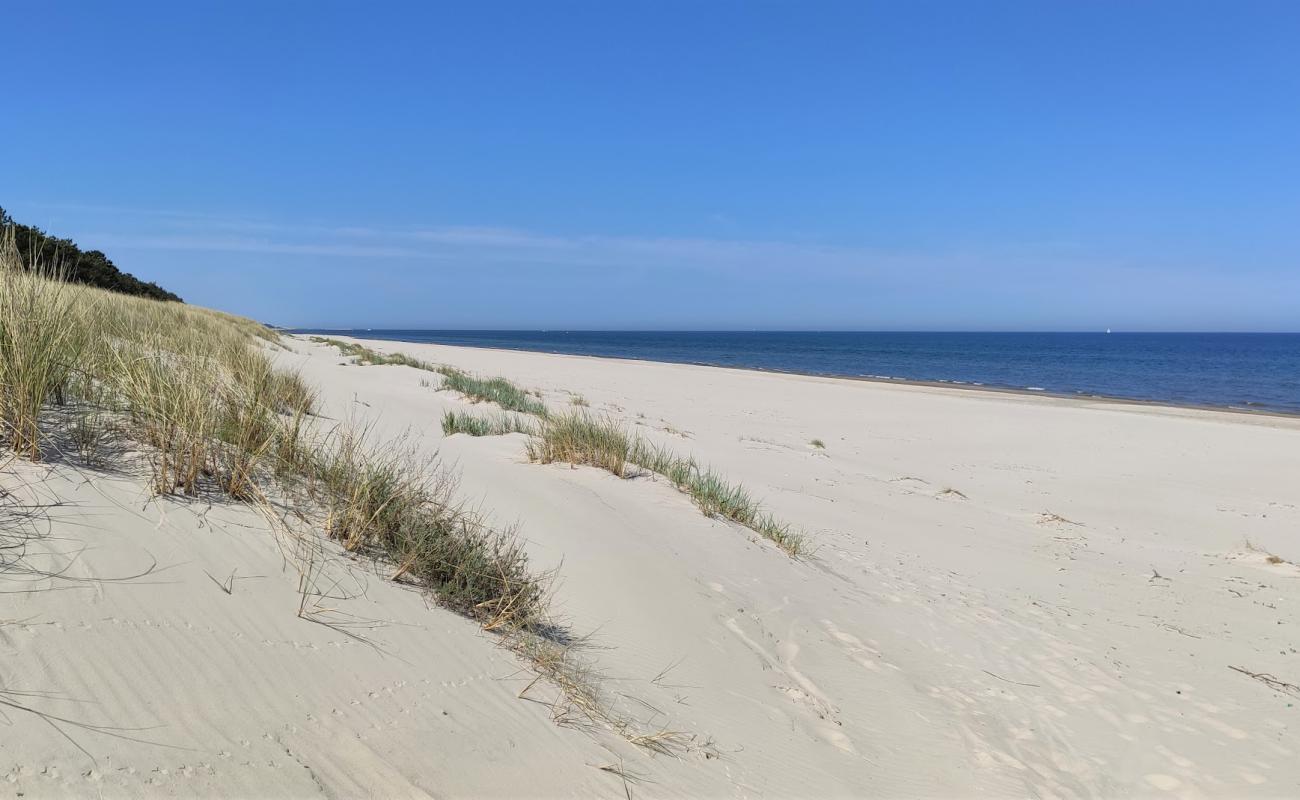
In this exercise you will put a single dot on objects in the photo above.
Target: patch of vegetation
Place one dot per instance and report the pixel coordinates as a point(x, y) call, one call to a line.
point(386, 498)
point(818, 443)
point(715, 496)
point(474, 425)
point(493, 390)
point(196, 393)
point(578, 438)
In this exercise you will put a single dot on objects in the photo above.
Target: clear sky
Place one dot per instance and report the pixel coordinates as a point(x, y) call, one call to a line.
point(865, 165)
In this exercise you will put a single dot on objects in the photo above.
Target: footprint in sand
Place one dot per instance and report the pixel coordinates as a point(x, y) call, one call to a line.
point(1166, 783)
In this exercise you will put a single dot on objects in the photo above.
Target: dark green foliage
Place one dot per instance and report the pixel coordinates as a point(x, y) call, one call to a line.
point(91, 267)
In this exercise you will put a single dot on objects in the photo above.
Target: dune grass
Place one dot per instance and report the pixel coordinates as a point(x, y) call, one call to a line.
point(579, 438)
point(475, 425)
point(493, 390)
point(195, 395)
point(716, 496)
point(390, 500)
point(479, 389)
point(42, 336)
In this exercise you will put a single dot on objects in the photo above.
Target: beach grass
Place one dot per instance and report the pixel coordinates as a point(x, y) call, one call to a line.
point(714, 495)
point(196, 395)
point(479, 389)
point(493, 390)
point(388, 498)
point(578, 437)
point(42, 337)
point(476, 425)
point(581, 438)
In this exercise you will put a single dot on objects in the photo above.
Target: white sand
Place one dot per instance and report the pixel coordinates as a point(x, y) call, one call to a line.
point(1008, 638)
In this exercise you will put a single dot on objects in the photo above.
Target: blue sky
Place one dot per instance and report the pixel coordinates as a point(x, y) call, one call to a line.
point(903, 165)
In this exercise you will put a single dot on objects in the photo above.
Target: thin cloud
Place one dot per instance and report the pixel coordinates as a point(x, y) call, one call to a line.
point(511, 247)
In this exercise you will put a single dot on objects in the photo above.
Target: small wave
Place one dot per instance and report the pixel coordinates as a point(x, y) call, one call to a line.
point(1035, 389)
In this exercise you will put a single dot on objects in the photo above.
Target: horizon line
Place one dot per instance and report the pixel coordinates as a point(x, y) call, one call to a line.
point(311, 328)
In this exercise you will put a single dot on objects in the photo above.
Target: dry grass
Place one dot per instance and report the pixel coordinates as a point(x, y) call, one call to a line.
point(197, 394)
point(42, 338)
point(580, 700)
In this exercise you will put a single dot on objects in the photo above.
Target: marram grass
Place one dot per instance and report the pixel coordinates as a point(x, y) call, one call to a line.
point(580, 438)
point(479, 389)
point(475, 425)
point(196, 394)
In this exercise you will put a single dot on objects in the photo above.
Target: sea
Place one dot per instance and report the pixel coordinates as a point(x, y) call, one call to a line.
point(1249, 371)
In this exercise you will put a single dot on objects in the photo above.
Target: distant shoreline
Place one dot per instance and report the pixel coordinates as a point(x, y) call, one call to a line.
point(1025, 391)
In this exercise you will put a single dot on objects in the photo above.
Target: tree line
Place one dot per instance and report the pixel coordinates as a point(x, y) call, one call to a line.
point(90, 267)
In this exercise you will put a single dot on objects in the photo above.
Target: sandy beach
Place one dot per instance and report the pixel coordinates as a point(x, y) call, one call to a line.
point(1007, 596)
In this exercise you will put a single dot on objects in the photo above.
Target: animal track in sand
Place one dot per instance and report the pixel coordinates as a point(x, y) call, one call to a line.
point(759, 443)
point(804, 691)
point(865, 656)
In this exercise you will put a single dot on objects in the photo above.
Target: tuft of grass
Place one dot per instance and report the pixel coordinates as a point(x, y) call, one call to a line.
point(42, 337)
point(389, 500)
point(472, 425)
point(715, 496)
point(579, 438)
point(493, 390)
point(578, 400)
point(818, 443)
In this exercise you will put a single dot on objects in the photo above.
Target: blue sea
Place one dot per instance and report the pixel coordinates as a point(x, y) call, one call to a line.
point(1259, 371)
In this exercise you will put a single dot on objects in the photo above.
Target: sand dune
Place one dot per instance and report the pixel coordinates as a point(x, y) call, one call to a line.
point(1011, 596)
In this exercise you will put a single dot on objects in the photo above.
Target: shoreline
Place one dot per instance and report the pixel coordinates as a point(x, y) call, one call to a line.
point(1079, 397)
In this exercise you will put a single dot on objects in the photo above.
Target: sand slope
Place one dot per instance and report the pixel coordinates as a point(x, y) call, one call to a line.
point(1013, 596)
